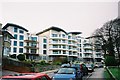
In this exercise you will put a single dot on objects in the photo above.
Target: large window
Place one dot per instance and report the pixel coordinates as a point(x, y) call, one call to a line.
point(14, 50)
point(33, 50)
point(21, 31)
point(44, 52)
point(21, 37)
point(15, 43)
point(21, 44)
point(20, 50)
point(15, 36)
point(44, 46)
point(15, 29)
point(44, 40)
point(34, 38)
point(54, 35)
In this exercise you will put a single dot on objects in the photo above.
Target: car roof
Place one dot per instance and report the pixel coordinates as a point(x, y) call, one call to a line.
point(25, 75)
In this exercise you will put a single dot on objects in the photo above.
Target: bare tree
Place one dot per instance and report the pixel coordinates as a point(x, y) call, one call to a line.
point(109, 36)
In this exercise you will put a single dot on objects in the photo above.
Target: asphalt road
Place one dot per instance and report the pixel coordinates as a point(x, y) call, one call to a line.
point(98, 74)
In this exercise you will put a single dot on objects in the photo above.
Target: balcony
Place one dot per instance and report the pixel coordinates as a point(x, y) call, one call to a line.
point(31, 54)
point(73, 55)
point(31, 41)
point(89, 56)
point(59, 37)
point(51, 48)
point(31, 47)
point(58, 43)
point(57, 54)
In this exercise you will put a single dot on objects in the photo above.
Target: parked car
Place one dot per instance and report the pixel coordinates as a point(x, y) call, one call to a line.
point(27, 76)
point(78, 68)
point(90, 67)
point(84, 69)
point(99, 65)
point(65, 65)
point(67, 73)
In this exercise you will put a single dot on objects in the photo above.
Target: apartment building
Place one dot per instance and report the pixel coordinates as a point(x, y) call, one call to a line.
point(87, 51)
point(97, 50)
point(53, 43)
point(6, 42)
point(74, 46)
point(19, 33)
point(31, 47)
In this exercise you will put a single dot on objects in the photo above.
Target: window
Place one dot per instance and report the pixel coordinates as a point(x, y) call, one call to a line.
point(14, 50)
point(21, 44)
point(34, 38)
point(44, 40)
point(44, 52)
point(15, 43)
point(15, 36)
point(55, 46)
point(54, 35)
point(33, 50)
point(45, 46)
point(63, 35)
point(20, 50)
point(20, 31)
point(15, 29)
point(21, 37)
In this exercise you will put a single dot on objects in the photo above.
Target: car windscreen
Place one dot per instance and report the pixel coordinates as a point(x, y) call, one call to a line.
point(66, 71)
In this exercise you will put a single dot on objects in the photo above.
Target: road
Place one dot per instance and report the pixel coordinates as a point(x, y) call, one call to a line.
point(98, 74)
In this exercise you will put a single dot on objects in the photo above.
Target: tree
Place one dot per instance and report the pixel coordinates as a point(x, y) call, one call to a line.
point(21, 57)
point(109, 36)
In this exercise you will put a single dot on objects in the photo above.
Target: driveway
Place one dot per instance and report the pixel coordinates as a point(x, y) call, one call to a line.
point(98, 74)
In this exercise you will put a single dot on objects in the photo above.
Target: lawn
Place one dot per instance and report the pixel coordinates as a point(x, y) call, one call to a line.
point(106, 75)
point(115, 71)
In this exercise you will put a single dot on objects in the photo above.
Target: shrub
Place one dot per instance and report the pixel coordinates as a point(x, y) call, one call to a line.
point(13, 56)
point(21, 57)
point(110, 61)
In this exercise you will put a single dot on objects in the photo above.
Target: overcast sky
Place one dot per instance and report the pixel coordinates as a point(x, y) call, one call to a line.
point(84, 17)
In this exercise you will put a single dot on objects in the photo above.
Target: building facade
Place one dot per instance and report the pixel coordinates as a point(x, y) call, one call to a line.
point(31, 49)
point(19, 33)
point(51, 44)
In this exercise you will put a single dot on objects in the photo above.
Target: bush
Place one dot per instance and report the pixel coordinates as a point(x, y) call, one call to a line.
point(13, 56)
point(42, 62)
point(21, 57)
point(110, 61)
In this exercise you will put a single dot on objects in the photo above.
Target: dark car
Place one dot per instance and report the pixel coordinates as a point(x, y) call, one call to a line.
point(67, 73)
point(90, 67)
point(27, 76)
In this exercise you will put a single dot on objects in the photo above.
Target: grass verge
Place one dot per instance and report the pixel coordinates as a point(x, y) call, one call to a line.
point(115, 71)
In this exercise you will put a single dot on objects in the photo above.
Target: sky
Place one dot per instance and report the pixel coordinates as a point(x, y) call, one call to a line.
point(80, 16)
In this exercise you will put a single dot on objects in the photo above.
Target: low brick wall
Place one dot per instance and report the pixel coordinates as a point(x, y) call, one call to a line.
point(16, 68)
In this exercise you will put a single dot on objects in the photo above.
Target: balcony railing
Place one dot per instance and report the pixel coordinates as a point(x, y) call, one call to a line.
point(33, 47)
point(31, 41)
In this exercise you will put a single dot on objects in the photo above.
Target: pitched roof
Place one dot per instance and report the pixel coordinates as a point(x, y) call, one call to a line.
point(75, 33)
point(11, 24)
point(52, 28)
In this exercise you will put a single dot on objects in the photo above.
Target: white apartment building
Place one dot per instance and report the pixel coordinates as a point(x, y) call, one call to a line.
point(31, 47)
point(74, 46)
point(53, 43)
point(87, 51)
point(19, 33)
